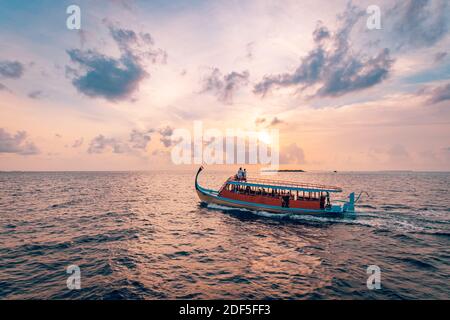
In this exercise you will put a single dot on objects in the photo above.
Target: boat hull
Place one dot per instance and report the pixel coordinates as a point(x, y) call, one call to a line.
point(215, 199)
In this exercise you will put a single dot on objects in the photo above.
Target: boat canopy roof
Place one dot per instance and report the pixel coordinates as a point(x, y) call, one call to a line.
point(283, 185)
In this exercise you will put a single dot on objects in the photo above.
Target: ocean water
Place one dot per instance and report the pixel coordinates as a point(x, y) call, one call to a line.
point(144, 235)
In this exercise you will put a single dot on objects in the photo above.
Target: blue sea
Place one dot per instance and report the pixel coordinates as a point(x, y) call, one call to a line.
point(144, 235)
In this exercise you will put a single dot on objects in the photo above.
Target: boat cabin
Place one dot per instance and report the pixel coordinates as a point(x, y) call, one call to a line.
point(278, 193)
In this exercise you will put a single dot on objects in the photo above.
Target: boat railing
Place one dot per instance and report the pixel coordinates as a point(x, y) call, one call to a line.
point(287, 183)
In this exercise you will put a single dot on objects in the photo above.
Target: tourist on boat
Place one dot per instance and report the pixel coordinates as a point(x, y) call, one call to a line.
point(239, 174)
point(244, 175)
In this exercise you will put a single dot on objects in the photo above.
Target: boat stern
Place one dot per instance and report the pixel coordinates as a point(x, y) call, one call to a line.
point(349, 206)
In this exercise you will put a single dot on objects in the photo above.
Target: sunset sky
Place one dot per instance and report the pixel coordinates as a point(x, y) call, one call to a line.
point(108, 96)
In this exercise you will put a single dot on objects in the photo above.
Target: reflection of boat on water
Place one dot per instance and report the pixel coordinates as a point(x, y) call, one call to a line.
point(276, 196)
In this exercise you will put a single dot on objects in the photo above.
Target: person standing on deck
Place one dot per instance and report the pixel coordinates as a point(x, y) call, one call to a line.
point(240, 174)
point(244, 175)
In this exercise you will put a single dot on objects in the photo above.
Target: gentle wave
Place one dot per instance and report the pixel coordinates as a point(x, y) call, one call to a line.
point(147, 236)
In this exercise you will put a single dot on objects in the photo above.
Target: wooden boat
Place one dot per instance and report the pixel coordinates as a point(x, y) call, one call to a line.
point(276, 196)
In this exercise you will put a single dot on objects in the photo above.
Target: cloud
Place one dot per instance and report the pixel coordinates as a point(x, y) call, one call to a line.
point(140, 139)
point(124, 38)
point(114, 78)
point(78, 143)
point(11, 69)
point(4, 88)
point(37, 94)
point(276, 121)
point(439, 94)
point(225, 86)
point(260, 121)
point(125, 4)
point(100, 144)
point(138, 45)
point(137, 141)
point(292, 154)
point(249, 48)
point(82, 35)
point(321, 32)
point(419, 23)
point(332, 66)
point(438, 57)
point(16, 143)
point(166, 134)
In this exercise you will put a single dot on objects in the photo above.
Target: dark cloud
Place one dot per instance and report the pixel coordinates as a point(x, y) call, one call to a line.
point(332, 66)
point(3, 87)
point(418, 23)
point(78, 143)
point(439, 94)
point(140, 139)
point(138, 45)
point(276, 121)
point(16, 143)
point(124, 38)
point(166, 136)
point(11, 69)
point(438, 57)
point(37, 94)
point(114, 78)
point(292, 154)
point(100, 144)
point(356, 74)
point(225, 86)
point(321, 32)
